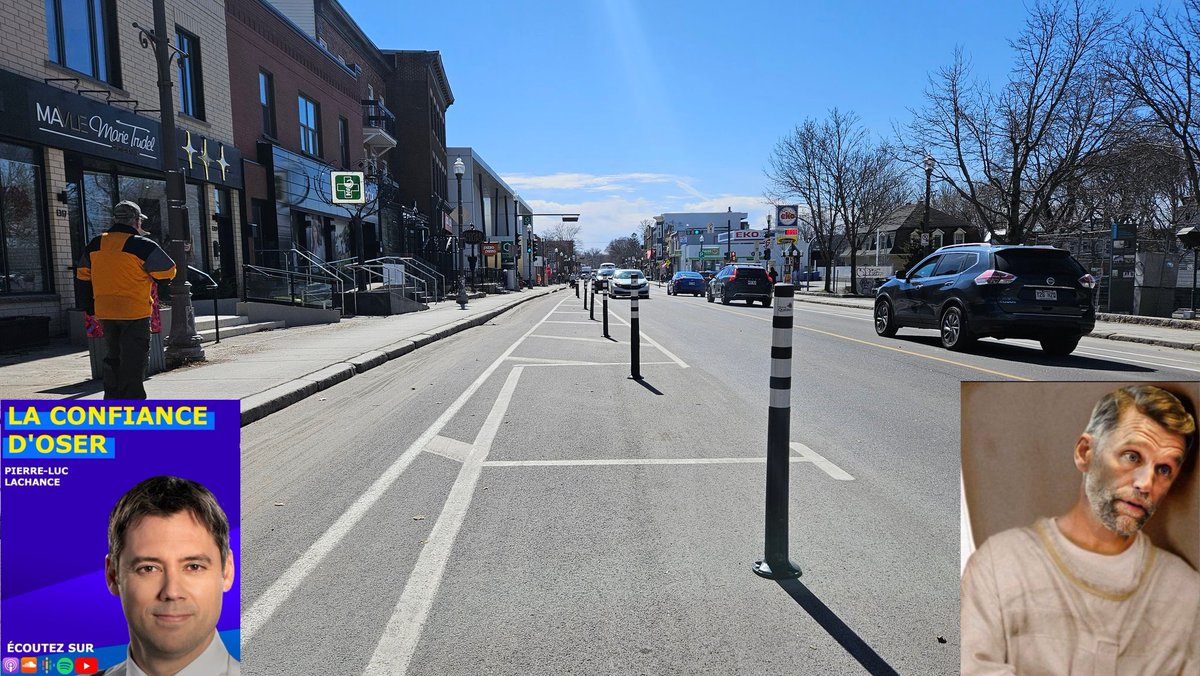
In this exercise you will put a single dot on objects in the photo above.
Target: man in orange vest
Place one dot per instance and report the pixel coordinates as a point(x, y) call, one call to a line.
point(118, 269)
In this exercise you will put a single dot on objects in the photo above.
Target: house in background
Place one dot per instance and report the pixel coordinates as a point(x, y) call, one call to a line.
point(900, 235)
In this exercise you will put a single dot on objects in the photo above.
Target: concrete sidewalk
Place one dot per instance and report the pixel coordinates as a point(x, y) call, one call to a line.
point(1173, 333)
point(269, 370)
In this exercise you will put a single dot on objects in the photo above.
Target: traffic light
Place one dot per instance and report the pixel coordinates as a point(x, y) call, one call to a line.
point(517, 242)
point(732, 256)
point(696, 231)
point(537, 245)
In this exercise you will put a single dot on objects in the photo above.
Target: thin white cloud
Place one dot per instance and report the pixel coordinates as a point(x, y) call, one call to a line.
point(578, 181)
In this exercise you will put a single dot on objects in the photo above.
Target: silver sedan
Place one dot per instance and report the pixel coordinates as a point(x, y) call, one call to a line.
point(625, 283)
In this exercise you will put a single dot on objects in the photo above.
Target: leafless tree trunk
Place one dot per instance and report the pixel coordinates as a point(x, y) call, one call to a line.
point(1011, 152)
point(800, 169)
point(873, 188)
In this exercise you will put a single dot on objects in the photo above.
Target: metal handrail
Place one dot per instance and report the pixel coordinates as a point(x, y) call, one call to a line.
point(336, 288)
point(211, 285)
point(409, 288)
point(422, 270)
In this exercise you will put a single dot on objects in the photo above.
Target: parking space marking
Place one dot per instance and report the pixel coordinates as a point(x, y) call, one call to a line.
point(599, 363)
point(809, 455)
point(399, 640)
point(660, 348)
point(451, 449)
point(586, 340)
point(261, 610)
point(888, 347)
point(634, 461)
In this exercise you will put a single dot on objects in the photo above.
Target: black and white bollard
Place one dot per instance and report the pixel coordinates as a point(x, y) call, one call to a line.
point(586, 286)
point(775, 563)
point(592, 307)
point(604, 310)
point(635, 339)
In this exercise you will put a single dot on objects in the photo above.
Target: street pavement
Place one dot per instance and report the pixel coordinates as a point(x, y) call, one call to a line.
point(270, 370)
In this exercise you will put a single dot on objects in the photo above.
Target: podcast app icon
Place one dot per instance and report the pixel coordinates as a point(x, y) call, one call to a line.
point(10, 665)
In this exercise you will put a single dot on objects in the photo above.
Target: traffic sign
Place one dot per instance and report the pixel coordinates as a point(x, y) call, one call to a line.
point(347, 187)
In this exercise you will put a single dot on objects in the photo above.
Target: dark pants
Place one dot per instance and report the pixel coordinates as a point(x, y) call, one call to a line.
point(127, 343)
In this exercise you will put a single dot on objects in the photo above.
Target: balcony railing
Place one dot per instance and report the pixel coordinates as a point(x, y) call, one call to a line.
point(376, 115)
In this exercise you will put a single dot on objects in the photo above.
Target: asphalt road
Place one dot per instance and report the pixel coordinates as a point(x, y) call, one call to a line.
point(509, 501)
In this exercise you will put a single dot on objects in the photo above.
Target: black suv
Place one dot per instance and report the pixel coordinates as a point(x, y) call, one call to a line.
point(970, 291)
point(740, 282)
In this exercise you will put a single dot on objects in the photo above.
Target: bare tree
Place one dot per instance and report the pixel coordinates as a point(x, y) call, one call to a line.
point(1156, 67)
point(623, 248)
point(1011, 152)
point(562, 232)
point(871, 188)
point(800, 169)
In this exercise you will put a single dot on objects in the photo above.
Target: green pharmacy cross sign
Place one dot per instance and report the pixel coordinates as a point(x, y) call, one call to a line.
point(348, 187)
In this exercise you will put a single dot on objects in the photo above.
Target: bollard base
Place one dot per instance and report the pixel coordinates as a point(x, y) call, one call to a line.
point(784, 571)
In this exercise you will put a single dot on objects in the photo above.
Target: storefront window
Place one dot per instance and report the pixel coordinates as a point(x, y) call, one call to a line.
point(22, 243)
point(197, 242)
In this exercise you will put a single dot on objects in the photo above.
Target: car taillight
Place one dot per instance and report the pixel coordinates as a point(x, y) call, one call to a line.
point(1087, 282)
point(733, 275)
point(995, 277)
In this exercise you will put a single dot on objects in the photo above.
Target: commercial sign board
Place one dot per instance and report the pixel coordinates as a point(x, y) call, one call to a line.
point(58, 118)
point(491, 248)
point(347, 187)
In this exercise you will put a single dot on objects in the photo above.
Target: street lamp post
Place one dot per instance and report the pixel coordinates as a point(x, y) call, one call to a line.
point(929, 162)
point(728, 233)
point(184, 344)
point(459, 170)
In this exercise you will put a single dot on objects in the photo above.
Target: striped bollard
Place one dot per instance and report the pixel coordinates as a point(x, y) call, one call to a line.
point(592, 307)
point(586, 286)
point(635, 339)
point(775, 563)
point(604, 310)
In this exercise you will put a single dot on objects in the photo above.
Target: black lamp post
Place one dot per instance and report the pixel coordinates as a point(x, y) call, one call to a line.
point(459, 170)
point(183, 345)
point(728, 234)
point(1190, 237)
point(929, 162)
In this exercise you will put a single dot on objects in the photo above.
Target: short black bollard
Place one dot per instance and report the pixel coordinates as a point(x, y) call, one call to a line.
point(592, 307)
point(605, 311)
point(577, 283)
point(635, 339)
point(775, 563)
point(585, 294)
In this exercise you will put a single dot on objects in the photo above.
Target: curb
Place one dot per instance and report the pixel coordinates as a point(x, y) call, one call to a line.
point(274, 399)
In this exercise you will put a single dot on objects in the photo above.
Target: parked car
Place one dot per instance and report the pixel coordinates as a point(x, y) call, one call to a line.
point(740, 282)
point(625, 283)
point(602, 276)
point(686, 282)
point(970, 291)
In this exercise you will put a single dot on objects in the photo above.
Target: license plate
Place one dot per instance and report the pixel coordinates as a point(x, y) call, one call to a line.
point(751, 282)
point(1045, 294)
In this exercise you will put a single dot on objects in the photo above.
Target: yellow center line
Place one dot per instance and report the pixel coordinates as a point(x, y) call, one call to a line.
point(888, 347)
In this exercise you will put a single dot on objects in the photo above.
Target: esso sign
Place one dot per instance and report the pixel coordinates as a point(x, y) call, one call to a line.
point(787, 216)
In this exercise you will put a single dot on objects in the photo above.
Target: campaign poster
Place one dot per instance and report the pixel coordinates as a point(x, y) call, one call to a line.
point(64, 467)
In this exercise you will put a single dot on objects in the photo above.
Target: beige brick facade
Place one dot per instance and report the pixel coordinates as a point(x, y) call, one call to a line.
point(24, 49)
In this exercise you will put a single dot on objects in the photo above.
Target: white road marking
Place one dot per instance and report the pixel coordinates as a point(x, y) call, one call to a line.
point(809, 455)
point(452, 449)
point(586, 340)
point(599, 363)
point(634, 461)
point(260, 612)
point(563, 321)
point(653, 342)
point(399, 640)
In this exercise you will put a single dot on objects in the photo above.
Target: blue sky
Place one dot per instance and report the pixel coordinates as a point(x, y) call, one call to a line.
point(624, 109)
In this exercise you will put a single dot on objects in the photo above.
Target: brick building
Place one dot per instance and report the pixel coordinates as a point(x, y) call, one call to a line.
point(79, 131)
point(298, 116)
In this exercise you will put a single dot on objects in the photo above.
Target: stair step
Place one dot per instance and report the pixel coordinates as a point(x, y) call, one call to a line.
point(204, 322)
point(242, 328)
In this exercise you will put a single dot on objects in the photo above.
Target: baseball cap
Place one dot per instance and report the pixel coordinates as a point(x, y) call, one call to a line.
point(126, 211)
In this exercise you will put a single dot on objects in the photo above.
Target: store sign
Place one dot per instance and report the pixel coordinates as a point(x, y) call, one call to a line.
point(34, 111)
point(347, 187)
point(490, 248)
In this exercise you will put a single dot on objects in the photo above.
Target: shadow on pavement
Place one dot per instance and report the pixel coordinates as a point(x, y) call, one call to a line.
point(648, 386)
point(845, 636)
point(76, 390)
point(1026, 355)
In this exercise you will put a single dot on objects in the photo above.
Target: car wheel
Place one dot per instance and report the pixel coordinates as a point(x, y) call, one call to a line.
point(766, 302)
point(885, 322)
point(1061, 346)
point(955, 334)
point(724, 297)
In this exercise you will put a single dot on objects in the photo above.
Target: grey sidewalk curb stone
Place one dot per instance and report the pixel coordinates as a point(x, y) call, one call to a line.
point(1105, 334)
point(271, 400)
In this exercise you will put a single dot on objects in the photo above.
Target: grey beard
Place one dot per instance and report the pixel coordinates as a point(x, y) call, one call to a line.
point(1103, 502)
